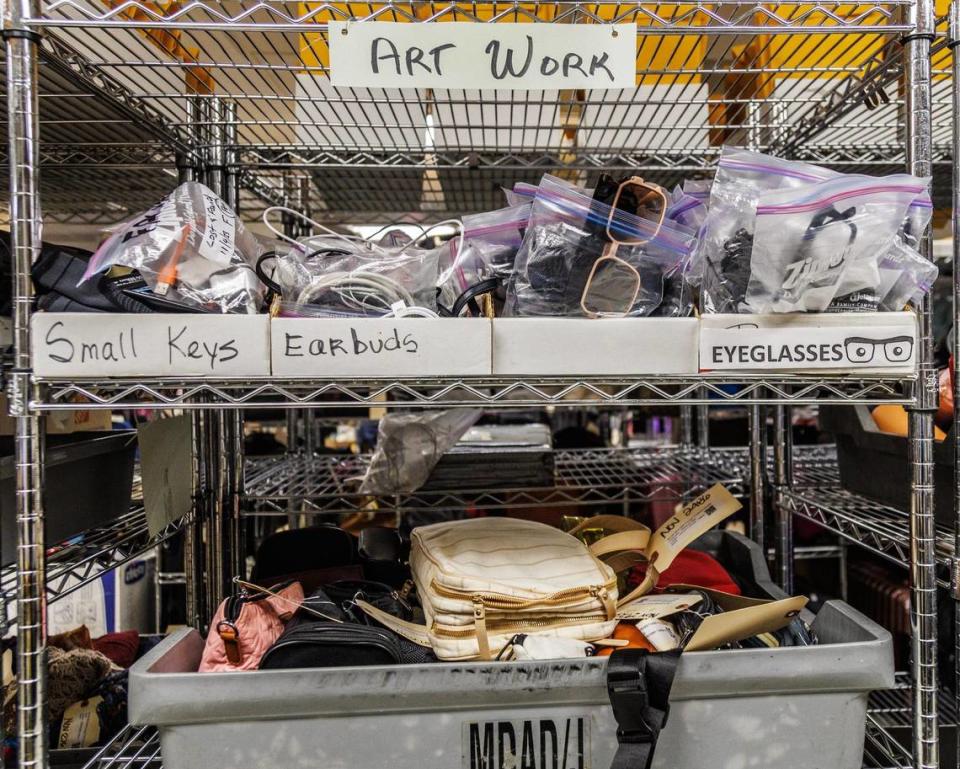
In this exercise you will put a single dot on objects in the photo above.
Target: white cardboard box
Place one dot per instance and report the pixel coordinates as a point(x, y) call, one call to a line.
point(117, 345)
point(380, 347)
point(859, 342)
point(588, 347)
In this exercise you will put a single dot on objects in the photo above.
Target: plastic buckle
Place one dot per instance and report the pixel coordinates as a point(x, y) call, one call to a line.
point(631, 709)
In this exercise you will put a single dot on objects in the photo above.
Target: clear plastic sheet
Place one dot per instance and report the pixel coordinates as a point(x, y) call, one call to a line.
point(566, 267)
point(818, 247)
point(190, 248)
point(409, 447)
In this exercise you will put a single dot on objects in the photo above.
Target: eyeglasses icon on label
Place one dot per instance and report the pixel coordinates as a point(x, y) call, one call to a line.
point(896, 349)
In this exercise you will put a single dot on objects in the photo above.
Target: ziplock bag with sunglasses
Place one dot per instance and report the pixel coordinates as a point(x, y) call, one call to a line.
point(677, 294)
point(721, 265)
point(334, 276)
point(822, 243)
point(190, 248)
point(583, 258)
point(481, 262)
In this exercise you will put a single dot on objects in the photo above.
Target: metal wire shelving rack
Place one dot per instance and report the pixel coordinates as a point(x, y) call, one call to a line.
point(131, 97)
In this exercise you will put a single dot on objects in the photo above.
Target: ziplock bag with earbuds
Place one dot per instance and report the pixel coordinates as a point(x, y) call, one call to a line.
point(722, 262)
point(583, 258)
point(346, 276)
point(190, 248)
point(481, 262)
point(823, 242)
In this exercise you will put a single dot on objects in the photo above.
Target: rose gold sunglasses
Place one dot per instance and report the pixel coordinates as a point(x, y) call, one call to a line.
point(612, 272)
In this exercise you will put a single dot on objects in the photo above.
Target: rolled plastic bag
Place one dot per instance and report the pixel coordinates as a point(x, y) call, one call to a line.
point(409, 447)
point(823, 242)
point(192, 248)
point(905, 277)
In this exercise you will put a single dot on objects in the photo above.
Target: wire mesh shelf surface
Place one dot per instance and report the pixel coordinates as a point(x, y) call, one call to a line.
point(82, 559)
point(135, 747)
point(779, 77)
point(329, 483)
point(446, 393)
point(876, 527)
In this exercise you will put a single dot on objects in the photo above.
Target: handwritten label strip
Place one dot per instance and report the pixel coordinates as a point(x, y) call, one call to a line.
point(380, 347)
point(464, 55)
point(94, 344)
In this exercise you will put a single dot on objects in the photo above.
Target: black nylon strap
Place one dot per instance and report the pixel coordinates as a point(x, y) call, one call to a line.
point(639, 685)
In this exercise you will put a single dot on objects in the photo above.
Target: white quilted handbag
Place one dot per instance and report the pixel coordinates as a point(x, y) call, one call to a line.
point(482, 581)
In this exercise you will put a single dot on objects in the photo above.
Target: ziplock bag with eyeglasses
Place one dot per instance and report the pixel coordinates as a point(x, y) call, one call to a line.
point(581, 257)
point(334, 276)
point(190, 248)
point(721, 265)
point(481, 262)
point(823, 242)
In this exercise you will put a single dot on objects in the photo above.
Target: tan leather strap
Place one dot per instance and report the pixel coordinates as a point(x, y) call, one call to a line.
point(623, 550)
point(636, 541)
point(412, 632)
point(608, 523)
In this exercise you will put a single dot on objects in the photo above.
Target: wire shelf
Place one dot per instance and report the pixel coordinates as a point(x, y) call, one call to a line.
point(329, 484)
point(446, 393)
point(82, 559)
point(136, 747)
point(880, 529)
point(781, 77)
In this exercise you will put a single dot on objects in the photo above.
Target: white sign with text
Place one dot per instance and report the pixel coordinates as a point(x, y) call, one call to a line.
point(81, 345)
point(475, 55)
point(380, 347)
point(883, 341)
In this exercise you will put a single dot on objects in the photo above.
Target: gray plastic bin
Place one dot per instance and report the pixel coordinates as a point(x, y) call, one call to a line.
point(798, 708)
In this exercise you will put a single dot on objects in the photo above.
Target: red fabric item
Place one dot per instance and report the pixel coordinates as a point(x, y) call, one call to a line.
point(690, 567)
point(120, 648)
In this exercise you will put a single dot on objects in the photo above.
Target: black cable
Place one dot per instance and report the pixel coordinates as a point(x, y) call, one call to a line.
point(471, 293)
point(121, 300)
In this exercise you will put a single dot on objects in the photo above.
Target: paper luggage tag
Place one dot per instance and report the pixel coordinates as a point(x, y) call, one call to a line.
point(656, 606)
point(742, 618)
point(693, 520)
point(80, 727)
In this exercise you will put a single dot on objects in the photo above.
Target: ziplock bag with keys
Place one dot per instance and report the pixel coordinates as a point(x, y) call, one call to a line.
point(191, 248)
point(583, 258)
point(481, 262)
point(721, 265)
point(823, 242)
point(346, 276)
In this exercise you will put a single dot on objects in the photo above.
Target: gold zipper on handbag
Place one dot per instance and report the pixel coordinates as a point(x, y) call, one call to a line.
point(503, 601)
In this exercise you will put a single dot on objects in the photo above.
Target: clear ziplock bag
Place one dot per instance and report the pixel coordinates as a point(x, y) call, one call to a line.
point(722, 263)
point(192, 248)
point(333, 276)
point(482, 260)
point(583, 258)
point(823, 242)
point(905, 276)
point(521, 193)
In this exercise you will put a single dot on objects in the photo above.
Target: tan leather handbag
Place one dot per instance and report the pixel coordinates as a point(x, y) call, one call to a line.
point(482, 581)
